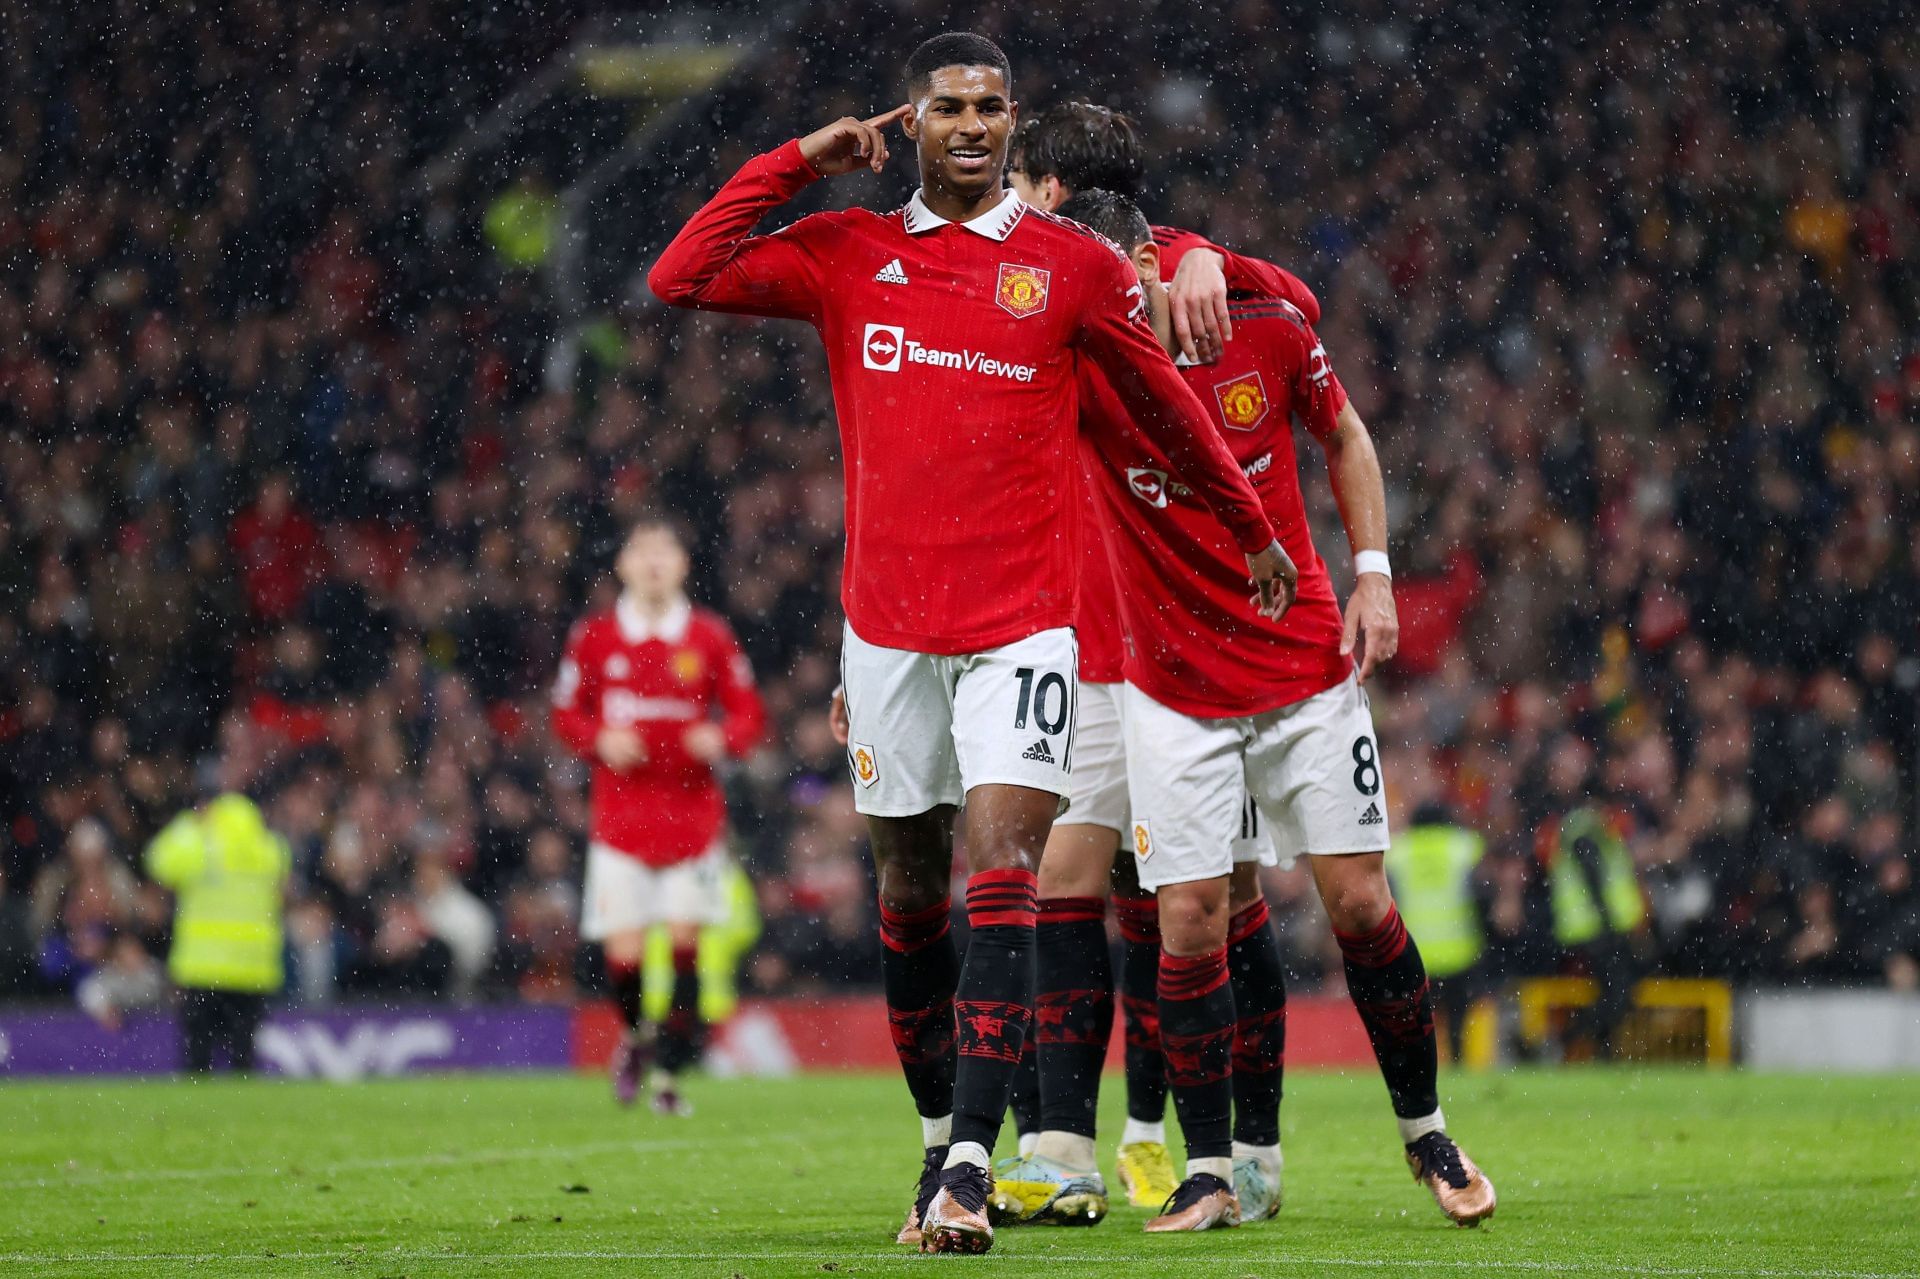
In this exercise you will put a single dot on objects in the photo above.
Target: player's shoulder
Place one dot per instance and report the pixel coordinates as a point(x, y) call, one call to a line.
point(595, 629)
point(829, 224)
point(1069, 237)
point(1288, 317)
point(710, 626)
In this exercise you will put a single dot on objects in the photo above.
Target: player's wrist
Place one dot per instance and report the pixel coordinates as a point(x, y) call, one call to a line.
point(1365, 562)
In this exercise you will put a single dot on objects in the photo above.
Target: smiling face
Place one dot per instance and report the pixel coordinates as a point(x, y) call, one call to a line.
point(961, 121)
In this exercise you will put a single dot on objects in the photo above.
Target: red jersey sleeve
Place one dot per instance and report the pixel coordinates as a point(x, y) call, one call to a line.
point(1244, 274)
point(743, 716)
point(1114, 336)
point(576, 697)
point(715, 265)
point(1317, 393)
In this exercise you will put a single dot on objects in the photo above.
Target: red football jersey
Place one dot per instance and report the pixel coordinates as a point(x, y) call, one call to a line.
point(1099, 628)
point(952, 351)
point(659, 681)
point(1196, 641)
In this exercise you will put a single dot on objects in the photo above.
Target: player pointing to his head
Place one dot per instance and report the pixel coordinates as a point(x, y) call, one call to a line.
point(952, 328)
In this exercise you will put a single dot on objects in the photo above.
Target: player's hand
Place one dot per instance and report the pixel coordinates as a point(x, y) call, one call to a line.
point(1372, 618)
point(837, 717)
point(1276, 578)
point(619, 748)
point(1198, 296)
point(848, 144)
point(705, 741)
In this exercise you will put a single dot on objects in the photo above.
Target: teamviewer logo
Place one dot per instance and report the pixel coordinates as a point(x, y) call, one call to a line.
point(882, 347)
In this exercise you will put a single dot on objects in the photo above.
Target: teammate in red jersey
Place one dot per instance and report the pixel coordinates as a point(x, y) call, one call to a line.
point(952, 330)
point(1055, 1178)
point(655, 692)
point(1223, 705)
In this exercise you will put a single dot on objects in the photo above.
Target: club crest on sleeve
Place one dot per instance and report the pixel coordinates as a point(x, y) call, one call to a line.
point(865, 765)
point(1142, 841)
point(1243, 401)
point(1022, 290)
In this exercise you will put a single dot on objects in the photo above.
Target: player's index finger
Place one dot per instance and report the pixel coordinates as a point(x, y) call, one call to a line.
point(881, 121)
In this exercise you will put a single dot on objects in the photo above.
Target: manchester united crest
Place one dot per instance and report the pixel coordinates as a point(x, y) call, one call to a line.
point(1243, 401)
point(1142, 841)
point(866, 770)
point(688, 665)
point(1022, 290)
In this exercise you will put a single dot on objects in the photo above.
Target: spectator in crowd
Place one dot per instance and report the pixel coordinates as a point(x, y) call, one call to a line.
point(129, 980)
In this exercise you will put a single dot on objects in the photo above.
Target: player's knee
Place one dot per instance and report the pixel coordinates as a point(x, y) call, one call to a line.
point(625, 949)
point(1359, 906)
point(1193, 917)
point(1243, 886)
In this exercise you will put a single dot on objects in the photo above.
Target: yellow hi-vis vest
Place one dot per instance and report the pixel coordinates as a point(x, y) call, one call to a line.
point(722, 947)
point(228, 872)
point(1431, 868)
point(1576, 917)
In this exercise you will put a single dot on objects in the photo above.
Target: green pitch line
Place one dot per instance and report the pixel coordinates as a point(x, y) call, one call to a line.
point(1601, 1173)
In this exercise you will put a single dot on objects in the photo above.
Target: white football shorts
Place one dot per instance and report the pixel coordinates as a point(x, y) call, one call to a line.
point(1311, 770)
point(623, 894)
point(1098, 785)
point(926, 728)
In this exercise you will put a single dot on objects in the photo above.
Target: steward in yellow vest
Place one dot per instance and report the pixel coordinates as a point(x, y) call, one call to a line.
point(1434, 868)
point(1599, 913)
point(228, 874)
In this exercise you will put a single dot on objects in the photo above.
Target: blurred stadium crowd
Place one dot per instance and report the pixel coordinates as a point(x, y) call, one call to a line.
point(287, 503)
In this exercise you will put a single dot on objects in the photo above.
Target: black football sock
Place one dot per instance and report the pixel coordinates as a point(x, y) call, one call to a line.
point(682, 1031)
point(1196, 1035)
point(1073, 1012)
point(1024, 1101)
point(1139, 919)
point(624, 981)
point(995, 1003)
point(921, 968)
point(1388, 985)
point(1260, 1028)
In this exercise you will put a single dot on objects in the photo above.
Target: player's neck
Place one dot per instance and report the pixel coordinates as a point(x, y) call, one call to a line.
point(651, 607)
point(944, 202)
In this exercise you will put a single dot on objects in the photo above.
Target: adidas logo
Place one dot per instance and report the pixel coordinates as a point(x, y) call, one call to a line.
point(1039, 752)
point(891, 273)
point(1372, 816)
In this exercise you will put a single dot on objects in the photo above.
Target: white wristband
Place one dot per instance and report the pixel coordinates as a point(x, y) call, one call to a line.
point(1372, 562)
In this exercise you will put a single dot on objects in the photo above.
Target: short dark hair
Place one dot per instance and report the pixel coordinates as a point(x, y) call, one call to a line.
point(1111, 214)
point(955, 49)
point(1083, 145)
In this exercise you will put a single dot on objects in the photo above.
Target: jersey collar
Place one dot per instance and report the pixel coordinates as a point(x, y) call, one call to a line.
point(996, 223)
point(637, 628)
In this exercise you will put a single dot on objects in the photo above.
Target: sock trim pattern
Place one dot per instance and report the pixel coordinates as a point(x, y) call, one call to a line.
point(1002, 898)
point(1139, 918)
point(1378, 948)
point(907, 931)
point(1192, 976)
point(1072, 910)
point(1247, 921)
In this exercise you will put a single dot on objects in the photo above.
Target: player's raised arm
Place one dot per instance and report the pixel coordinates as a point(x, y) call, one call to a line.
point(1203, 274)
point(714, 263)
point(1166, 410)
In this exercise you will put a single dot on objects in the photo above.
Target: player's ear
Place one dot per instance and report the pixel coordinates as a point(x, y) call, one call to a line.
point(1146, 263)
point(910, 123)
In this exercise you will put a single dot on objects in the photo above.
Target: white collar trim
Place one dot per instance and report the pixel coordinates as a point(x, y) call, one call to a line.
point(637, 628)
point(996, 223)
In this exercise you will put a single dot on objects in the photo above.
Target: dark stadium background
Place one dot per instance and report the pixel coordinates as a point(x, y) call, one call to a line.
point(303, 481)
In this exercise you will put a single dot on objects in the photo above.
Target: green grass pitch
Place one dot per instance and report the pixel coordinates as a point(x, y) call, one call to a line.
point(1600, 1173)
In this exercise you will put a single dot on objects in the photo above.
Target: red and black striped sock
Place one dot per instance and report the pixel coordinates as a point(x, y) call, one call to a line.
point(1388, 986)
point(1196, 1035)
point(1260, 1031)
point(682, 1032)
point(920, 967)
point(995, 1002)
point(623, 982)
point(1073, 1013)
point(1139, 919)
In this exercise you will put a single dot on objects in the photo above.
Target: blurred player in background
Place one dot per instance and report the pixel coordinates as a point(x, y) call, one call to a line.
point(1071, 147)
point(952, 328)
point(655, 693)
point(1223, 704)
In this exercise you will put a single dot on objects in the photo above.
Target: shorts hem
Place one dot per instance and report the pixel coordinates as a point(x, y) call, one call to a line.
point(1345, 852)
point(1059, 788)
